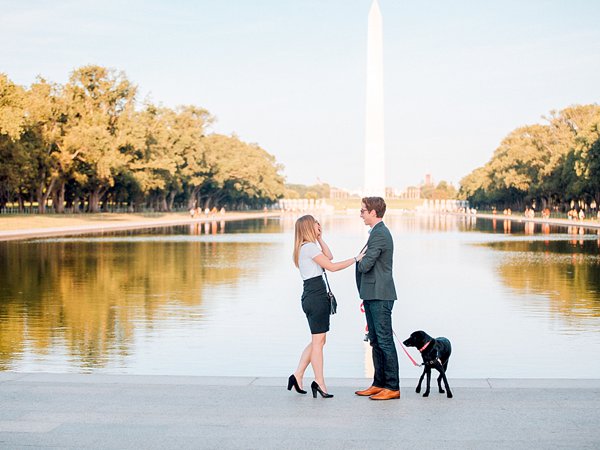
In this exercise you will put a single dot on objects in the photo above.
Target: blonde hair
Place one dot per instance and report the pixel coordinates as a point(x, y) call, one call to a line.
point(304, 232)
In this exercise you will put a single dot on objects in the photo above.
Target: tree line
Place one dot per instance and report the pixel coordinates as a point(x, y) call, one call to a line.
point(553, 165)
point(443, 191)
point(314, 191)
point(89, 145)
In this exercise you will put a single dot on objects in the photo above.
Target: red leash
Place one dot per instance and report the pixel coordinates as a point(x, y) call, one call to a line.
point(362, 309)
point(405, 351)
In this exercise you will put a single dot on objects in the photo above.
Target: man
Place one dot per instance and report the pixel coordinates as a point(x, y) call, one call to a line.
point(376, 288)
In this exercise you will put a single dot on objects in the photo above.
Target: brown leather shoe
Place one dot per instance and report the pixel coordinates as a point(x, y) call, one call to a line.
point(386, 394)
point(369, 391)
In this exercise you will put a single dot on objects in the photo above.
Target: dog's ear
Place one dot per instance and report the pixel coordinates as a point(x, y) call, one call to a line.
point(424, 336)
point(419, 335)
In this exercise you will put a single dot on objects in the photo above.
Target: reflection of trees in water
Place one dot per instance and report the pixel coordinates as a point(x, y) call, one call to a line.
point(91, 296)
point(430, 222)
point(12, 332)
point(566, 272)
point(264, 225)
point(400, 223)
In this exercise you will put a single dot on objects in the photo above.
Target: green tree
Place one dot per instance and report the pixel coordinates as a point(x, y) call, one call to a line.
point(12, 118)
point(46, 116)
point(193, 171)
point(100, 103)
point(550, 164)
point(12, 111)
point(85, 141)
point(316, 191)
point(240, 173)
point(586, 149)
point(444, 191)
point(154, 162)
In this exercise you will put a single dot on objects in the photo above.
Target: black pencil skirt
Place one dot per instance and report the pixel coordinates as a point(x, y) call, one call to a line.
point(315, 305)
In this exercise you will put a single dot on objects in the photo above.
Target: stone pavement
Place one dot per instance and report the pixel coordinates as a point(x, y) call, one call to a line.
point(78, 411)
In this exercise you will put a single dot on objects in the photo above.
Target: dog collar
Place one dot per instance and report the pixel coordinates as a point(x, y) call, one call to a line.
point(425, 346)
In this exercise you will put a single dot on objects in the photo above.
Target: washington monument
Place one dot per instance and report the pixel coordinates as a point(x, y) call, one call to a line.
point(374, 140)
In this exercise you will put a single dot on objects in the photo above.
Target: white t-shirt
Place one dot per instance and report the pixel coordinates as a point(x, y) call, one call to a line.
point(308, 267)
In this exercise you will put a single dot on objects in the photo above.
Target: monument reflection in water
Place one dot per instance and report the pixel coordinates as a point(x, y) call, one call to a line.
point(223, 299)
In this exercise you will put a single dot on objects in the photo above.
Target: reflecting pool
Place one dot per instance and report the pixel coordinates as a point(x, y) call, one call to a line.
point(223, 299)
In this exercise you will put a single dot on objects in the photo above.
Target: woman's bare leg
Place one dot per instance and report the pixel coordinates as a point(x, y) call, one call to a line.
point(303, 364)
point(316, 358)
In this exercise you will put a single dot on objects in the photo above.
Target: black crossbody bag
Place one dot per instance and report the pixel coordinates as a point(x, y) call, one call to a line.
point(330, 296)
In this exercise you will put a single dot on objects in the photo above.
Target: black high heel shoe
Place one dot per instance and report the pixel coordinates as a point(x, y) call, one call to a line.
point(293, 382)
point(316, 388)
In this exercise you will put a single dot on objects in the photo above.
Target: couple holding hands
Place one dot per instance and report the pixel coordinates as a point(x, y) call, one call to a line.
point(376, 287)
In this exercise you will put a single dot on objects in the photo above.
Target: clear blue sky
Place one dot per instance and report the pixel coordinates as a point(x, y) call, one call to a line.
point(290, 75)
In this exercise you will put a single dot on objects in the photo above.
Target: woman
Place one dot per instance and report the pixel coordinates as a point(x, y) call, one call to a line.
point(312, 256)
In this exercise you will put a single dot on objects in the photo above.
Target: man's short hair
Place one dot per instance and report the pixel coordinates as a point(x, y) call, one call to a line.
point(375, 203)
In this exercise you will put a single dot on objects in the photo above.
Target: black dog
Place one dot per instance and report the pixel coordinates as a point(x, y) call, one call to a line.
point(435, 353)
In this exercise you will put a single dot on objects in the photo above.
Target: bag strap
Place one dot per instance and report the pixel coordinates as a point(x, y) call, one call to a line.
point(326, 280)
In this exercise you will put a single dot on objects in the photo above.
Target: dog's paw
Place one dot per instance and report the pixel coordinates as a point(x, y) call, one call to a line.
point(418, 390)
point(442, 391)
point(450, 394)
point(426, 394)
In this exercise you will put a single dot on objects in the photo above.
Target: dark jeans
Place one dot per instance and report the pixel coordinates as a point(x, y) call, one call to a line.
point(385, 358)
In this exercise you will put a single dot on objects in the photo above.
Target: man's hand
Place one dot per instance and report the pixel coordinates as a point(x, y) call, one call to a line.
point(361, 254)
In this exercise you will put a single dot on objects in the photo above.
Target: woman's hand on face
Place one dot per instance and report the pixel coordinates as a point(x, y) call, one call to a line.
point(361, 254)
point(318, 230)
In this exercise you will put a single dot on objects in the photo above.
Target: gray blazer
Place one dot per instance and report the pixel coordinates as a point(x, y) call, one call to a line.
point(374, 272)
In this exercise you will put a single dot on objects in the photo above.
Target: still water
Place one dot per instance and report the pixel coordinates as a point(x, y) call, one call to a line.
point(224, 299)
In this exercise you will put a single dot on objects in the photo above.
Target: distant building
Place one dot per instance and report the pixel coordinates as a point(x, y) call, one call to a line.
point(412, 193)
point(446, 206)
point(304, 204)
point(428, 180)
point(391, 192)
point(338, 193)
